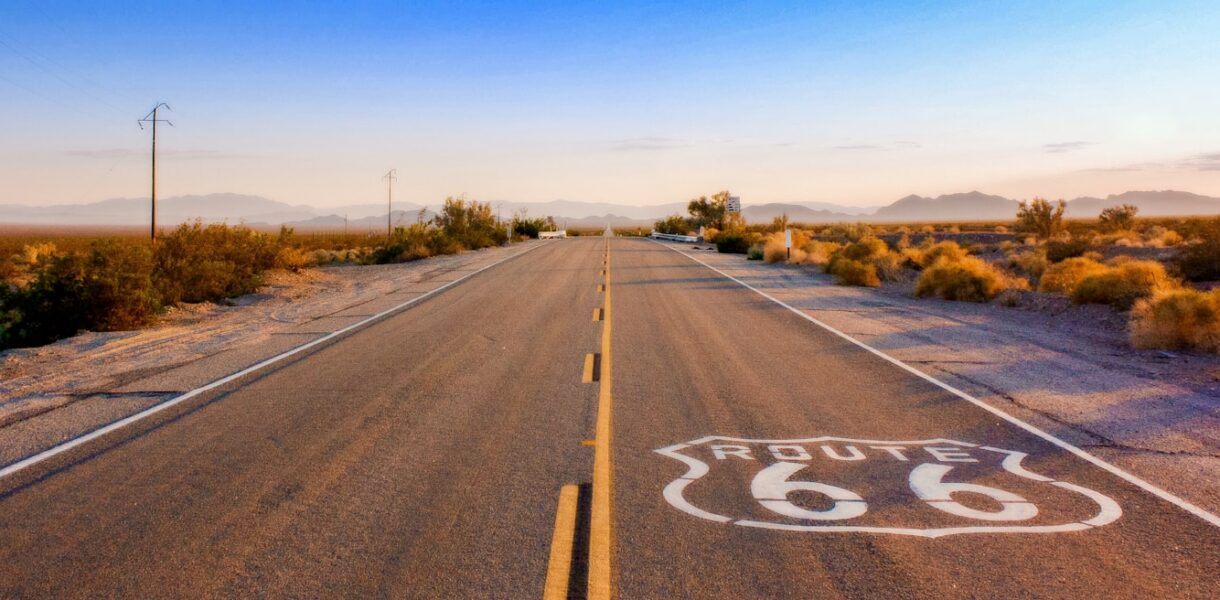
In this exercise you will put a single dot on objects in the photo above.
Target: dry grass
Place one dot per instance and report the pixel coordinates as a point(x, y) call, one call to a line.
point(1178, 319)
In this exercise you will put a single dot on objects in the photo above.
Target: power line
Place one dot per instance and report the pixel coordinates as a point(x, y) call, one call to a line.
point(62, 79)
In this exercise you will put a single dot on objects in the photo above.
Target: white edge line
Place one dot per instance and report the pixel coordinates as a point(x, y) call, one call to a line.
point(1128, 477)
point(30, 461)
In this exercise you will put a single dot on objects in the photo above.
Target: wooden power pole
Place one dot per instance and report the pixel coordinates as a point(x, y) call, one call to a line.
point(390, 177)
point(151, 117)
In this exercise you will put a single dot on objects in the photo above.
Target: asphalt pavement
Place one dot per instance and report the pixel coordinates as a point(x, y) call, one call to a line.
point(751, 454)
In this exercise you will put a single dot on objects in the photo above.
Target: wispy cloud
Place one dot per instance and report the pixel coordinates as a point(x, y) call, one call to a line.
point(1061, 147)
point(1203, 162)
point(185, 154)
point(900, 145)
point(649, 143)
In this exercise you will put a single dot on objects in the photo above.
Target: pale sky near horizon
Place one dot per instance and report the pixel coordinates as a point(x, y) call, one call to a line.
point(634, 102)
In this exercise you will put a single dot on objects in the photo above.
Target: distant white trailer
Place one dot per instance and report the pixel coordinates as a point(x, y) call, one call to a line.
point(552, 235)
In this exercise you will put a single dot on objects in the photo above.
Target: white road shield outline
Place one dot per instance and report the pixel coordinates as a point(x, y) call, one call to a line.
point(1108, 510)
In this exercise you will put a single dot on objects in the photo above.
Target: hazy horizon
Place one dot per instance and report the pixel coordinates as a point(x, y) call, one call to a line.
point(635, 104)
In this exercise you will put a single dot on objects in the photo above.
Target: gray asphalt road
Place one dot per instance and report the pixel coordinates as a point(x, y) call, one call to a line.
point(422, 457)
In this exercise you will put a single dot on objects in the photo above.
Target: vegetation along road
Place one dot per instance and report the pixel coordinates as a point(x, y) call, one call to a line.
point(599, 417)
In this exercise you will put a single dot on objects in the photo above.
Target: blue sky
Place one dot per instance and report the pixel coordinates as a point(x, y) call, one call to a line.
point(640, 103)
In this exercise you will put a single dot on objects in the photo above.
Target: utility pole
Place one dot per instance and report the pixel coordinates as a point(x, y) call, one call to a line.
point(151, 117)
point(390, 177)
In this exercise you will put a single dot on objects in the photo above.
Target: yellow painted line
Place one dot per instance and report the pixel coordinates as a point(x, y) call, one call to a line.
point(559, 569)
point(587, 376)
point(601, 542)
point(597, 314)
point(588, 442)
point(601, 287)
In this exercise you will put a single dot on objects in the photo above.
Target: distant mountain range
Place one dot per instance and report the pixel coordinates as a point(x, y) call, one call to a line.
point(258, 211)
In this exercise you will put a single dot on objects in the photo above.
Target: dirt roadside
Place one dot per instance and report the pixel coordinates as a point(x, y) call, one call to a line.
point(1065, 369)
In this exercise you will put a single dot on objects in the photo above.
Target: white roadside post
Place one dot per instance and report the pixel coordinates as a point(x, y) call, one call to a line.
point(788, 242)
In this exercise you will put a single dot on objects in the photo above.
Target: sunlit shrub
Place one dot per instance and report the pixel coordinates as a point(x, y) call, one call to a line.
point(967, 279)
point(1178, 319)
point(1040, 218)
point(1062, 277)
point(948, 250)
point(819, 253)
point(293, 259)
point(1122, 285)
point(853, 272)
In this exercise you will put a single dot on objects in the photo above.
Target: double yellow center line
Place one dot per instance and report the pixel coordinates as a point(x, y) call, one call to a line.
point(600, 541)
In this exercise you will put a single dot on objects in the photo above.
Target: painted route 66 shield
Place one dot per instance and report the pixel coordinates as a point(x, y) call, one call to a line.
point(928, 488)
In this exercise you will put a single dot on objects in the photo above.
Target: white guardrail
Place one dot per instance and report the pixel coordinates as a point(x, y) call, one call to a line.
point(552, 235)
point(673, 237)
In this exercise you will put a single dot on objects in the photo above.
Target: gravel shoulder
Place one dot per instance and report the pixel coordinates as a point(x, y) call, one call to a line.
point(52, 393)
point(1066, 369)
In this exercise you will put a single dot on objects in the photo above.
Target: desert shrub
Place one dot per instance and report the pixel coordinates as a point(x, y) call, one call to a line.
point(673, 225)
point(774, 249)
point(1117, 218)
point(467, 225)
point(1058, 250)
point(851, 232)
point(948, 250)
point(888, 265)
point(912, 258)
point(885, 263)
point(709, 235)
point(755, 252)
point(1033, 263)
point(864, 249)
point(967, 279)
point(1161, 237)
point(108, 288)
point(1040, 218)
point(1200, 259)
point(1122, 285)
point(736, 242)
point(818, 252)
point(293, 259)
point(523, 226)
point(853, 272)
point(1177, 319)
point(1001, 229)
point(413, 242)
point(197, 263)
point(1063, 277)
